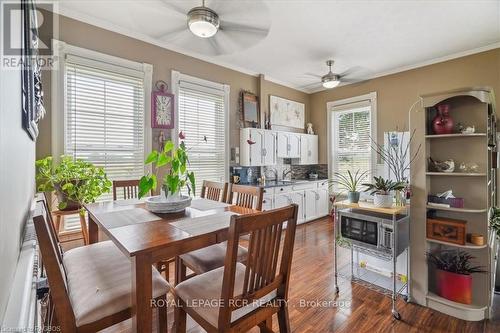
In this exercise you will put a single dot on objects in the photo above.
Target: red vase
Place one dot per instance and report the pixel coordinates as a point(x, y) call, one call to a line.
point(455, 287)
point(442, 122)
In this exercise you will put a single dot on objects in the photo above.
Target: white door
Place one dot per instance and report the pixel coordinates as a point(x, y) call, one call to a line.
point(310, 199)
point(312, 141)
point(269, 148)
point(322, 202)
point(281, 200)
point(256, 148)
point(267, 202)
point(298, 198)
point(282, 142)
point(293, 145)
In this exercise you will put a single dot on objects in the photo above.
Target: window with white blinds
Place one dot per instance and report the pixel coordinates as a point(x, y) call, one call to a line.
point(352, 128)
point(104, 123)
point(202, 114)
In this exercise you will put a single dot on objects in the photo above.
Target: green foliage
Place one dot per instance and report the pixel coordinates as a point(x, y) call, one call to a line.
point(176, 178)
point(454, 261)
point(495, 220)
point(383, 186)
point(76, 179)
point(349, 182)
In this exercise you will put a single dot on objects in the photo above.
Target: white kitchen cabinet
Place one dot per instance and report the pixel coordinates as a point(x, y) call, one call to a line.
point(310, 204)
point(308, 149)
point(288, 145)
point(322, 202)
point(262, 152)
point(298, 198)
point(267, 202)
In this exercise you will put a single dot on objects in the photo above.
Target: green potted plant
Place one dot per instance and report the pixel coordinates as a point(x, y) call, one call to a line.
point(453, 274)
point(381, 189)
point(75, 181)
point(177, 176)
point(349, 182)
point(495, 220)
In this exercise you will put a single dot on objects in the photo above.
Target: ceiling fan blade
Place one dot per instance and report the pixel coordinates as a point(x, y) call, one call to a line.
point(172, 33)
point(241, 27)
point(175, 8)
point(350, 71)
point(313, 75)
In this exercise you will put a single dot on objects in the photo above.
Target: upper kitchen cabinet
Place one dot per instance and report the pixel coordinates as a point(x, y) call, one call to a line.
point(257, 147)
point(288, 145)
point(308, 149)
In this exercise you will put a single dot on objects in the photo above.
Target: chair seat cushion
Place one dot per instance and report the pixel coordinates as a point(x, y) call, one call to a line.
point(211, 257)
point(99, 281)
point(202, 293)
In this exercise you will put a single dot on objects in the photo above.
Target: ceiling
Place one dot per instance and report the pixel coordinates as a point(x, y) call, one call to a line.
point(366, 38)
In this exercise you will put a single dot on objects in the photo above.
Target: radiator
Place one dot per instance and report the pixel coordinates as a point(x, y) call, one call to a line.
point(21, 314)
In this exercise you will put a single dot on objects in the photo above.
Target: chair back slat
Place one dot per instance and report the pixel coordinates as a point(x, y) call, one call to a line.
point(261, 276)
point(55, 274)
point(130, 188)
point(214, 190)
point(246, 196)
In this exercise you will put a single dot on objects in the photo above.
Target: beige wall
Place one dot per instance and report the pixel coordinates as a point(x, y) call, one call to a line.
point(397, 92)
point(164, 61)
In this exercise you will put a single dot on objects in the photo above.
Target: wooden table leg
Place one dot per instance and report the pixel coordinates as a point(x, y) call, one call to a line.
point(142, 294)
point(93, 231)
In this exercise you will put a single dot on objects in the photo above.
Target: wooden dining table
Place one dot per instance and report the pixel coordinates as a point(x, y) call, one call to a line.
point(147, 238)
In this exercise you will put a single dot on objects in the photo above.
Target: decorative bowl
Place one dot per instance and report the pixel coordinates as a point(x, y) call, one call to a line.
point(159, 204)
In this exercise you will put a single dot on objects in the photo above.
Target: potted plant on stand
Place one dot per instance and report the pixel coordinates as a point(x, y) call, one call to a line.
point(350, 183)
point(75, 181)
point(453, 274)
point(382, 190)
point(175, 179)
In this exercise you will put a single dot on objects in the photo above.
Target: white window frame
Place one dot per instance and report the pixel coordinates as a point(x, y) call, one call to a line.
point(210, 86)
point(104, 61)
point(371, 98)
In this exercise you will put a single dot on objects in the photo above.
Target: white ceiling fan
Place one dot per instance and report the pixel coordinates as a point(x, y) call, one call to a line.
point(330, 80)
point(223, 28)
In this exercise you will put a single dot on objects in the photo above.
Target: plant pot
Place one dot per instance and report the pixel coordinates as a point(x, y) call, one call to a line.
point(454, 287)
point(382, 200)
point(62, 197)
point(353, 197)
point(170, 197)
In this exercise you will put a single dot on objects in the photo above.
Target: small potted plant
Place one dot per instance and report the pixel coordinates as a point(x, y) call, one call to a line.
point(75, 181)
point(350, 183)
point(175, 179)
point(453, 274)
point(495, 220)
point(382, 190)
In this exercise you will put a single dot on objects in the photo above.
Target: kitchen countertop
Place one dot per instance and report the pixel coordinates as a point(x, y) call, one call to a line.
point(274, 183)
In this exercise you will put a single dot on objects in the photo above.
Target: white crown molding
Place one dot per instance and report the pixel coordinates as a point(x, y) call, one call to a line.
point(145, 38)
point(421, 64)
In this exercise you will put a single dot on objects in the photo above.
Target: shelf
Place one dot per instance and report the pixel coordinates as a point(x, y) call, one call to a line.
point(466, 246)
point(455, 135)
point(457, 305)
point(456, 174)
point(461, 210)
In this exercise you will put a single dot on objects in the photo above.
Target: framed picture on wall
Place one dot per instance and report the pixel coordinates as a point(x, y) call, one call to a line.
point(250, 107)
point(31, 73)
point(285, 112)
point(162, 104)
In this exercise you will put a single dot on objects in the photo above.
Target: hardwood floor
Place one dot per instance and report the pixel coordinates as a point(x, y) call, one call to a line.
point(363, 310)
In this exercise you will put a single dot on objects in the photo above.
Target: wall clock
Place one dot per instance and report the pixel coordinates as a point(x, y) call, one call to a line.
point(162, 104)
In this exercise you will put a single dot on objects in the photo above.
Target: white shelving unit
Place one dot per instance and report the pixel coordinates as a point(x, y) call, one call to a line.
point(470, 107)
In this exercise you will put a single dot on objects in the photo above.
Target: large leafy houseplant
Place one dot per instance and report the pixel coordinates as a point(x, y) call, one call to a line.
point(349, 182)
point(75, 181)
point(495, 220)
point(177, 176)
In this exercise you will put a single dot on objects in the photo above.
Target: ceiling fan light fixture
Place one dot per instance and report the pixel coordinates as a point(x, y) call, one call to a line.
point(203, 22)
point(330, 81)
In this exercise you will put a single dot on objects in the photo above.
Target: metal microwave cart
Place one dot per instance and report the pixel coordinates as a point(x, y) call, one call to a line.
point(395, 218)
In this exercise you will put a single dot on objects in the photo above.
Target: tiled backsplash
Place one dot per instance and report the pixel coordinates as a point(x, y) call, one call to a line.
point(303, 171)
point(298, 171)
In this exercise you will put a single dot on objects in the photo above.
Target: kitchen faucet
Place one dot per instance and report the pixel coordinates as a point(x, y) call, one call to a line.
point(273, 171)
point(287, 172)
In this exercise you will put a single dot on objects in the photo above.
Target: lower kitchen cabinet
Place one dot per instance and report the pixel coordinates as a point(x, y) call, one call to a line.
point(312, 199)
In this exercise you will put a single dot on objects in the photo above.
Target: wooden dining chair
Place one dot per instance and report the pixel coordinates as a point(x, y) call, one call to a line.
point(245, 196)
point(130, 188)
point(246, 295)
point(212, 257)
point(91, 285)
point(214, 190)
